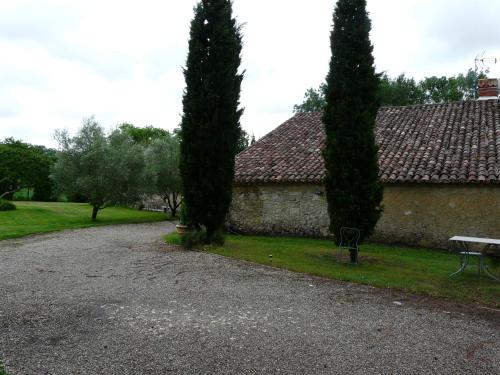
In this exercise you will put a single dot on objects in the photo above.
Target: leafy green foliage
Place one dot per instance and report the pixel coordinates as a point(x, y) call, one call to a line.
point(447, 89)
point(125, 169)
point(25, 166)
point(118, 168)
point(77, 197)
point(243, 141)
point(82, 165)
point(352, 187)
point(210, 126)
point(183, 217)
point(106, 170)
point(25, 194)
point(144, 135)
point(162, 174)
point(6, 205)
point(218, 238)
point(314, 100)
point(402, 91)
point(193, 239)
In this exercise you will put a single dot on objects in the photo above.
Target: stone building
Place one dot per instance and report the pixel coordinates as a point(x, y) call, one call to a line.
point(439, 163)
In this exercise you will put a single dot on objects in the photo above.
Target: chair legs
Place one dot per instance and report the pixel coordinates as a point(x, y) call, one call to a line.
point(353, 254)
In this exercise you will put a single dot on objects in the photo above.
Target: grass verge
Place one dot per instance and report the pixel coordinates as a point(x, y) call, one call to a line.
point(41, 217)
point(2, 369)
point(413, 270)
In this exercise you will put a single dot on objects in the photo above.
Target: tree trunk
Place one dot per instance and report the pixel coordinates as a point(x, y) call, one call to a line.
point(8, 194)
point(95, 209)
point(167, 198)
point(173, 204)
point(210, 233)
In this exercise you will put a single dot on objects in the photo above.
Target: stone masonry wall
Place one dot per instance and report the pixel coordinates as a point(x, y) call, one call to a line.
point(427, 215)
point(280, 209)
point(423, 215)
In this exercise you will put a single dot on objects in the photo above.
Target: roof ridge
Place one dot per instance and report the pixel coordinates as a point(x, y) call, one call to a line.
point(438, 104)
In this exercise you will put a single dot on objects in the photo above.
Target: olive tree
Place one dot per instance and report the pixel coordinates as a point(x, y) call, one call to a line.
point(105, 169)
point(162, 175)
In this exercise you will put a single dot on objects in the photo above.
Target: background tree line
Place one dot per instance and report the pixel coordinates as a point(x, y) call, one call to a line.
point(121, 167)
point(25, 166)
point(403, 90)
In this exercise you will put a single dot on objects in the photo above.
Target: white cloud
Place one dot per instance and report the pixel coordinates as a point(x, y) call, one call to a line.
point(63, 60)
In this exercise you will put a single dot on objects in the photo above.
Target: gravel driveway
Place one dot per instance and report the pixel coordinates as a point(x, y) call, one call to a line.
point(115, 300)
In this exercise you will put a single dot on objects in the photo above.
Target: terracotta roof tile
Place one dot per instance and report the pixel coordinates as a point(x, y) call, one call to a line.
point(455, 142)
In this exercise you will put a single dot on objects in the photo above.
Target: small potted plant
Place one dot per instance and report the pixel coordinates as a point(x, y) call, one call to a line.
point(184, 224)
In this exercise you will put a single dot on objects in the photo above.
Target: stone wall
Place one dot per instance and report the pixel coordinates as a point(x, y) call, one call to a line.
point(280, 209)
point(428, 215)
point(423, 215)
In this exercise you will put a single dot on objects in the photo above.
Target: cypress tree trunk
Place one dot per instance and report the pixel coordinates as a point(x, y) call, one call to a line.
point(353, 190)
point(210, 125)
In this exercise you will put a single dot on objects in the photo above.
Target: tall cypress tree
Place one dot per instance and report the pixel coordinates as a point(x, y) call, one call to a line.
point(353, 190)
point(210, 125)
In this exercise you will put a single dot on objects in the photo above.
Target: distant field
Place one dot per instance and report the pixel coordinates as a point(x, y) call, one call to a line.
point(27, 194)
point(40, 217)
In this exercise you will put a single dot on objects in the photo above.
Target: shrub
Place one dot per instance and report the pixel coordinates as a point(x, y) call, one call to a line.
point(6, 205)
point(197, 238)
point(217, 238)
point(183, 217)
point(77, 198)
point(192, 239)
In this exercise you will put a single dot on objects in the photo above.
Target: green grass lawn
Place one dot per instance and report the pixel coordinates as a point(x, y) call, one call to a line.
point(413, 270)
point(24, 195)
point(39, 217)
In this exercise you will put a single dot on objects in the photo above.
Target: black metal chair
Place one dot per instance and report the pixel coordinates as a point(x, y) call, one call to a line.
point(349, 240)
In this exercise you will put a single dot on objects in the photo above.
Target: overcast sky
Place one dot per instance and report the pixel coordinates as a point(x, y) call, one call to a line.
point(63, 60)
